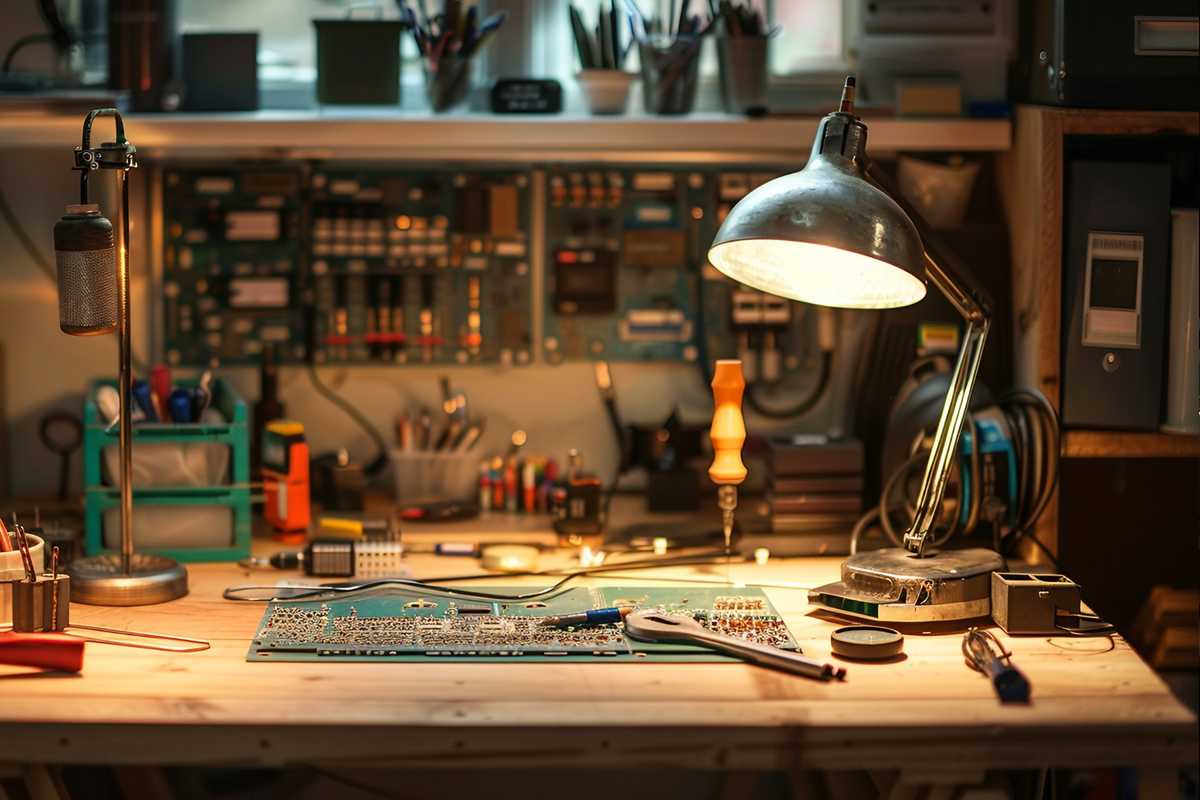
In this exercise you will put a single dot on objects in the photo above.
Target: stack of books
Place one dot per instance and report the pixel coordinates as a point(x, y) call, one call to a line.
point(815, 494)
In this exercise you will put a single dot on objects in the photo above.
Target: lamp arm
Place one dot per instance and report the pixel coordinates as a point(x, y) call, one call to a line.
point(970, 299)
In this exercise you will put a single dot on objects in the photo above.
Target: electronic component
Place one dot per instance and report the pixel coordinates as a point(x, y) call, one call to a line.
point(285, 476)
point(1033, 602)
point(421, 266)
point(397, 623)
point(1115, 294)
point(866, 642)
point(626, 278)
point(231, 263)
point(345, 558)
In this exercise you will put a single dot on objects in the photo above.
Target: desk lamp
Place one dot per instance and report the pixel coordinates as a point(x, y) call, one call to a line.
point(93, 299)
point(832, 235)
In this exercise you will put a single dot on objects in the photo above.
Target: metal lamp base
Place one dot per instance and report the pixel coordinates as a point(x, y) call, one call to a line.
point(894, 585)
point(100, 581)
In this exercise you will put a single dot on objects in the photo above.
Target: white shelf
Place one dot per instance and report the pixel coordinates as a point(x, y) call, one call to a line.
point(356, 132)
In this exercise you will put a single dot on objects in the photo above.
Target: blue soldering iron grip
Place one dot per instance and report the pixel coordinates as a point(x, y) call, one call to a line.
point(141, 396)
point(179, 406)
point(600, 616)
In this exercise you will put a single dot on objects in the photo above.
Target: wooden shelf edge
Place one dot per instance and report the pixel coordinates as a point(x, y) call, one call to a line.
point(1125, 444)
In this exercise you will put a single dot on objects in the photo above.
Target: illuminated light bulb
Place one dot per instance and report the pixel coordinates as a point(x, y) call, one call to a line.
point(660, 545)
point(761, 556)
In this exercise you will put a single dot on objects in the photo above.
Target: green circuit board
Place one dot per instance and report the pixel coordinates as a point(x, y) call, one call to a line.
point(400, 624)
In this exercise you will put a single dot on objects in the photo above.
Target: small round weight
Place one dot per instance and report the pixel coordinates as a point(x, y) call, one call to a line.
point(867, 642)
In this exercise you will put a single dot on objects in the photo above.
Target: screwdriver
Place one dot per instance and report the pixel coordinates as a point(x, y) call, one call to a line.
point(728, 433)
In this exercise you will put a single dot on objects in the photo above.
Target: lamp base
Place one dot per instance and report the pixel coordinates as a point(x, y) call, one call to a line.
point(894, 585)
point(100, 581)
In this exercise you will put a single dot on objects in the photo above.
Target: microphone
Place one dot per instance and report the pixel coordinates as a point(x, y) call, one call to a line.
point(87, 272)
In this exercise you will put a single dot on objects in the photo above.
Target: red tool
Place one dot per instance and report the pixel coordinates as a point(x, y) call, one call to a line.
point(51, 651)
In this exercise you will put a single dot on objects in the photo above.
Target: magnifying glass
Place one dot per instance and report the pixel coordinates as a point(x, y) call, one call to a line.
point(62, 434)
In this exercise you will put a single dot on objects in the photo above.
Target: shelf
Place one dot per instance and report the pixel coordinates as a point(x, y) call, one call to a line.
point(328, 133)
point(1124, 444)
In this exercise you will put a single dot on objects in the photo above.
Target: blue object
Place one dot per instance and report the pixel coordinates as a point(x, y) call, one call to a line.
point(601, 616)
point(179, 406)
point(141, 396)
point(198, 402)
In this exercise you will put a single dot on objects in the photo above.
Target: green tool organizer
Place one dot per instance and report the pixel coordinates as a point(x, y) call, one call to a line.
point(235, 495)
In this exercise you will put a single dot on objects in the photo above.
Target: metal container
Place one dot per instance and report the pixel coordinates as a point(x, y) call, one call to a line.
point(358, 61)
point(670, 74)
point(743, 61)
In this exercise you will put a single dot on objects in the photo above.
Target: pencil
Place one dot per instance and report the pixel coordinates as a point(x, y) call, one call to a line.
point(6, 545)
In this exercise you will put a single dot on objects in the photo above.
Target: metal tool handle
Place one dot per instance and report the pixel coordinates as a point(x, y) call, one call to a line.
point(772, 657)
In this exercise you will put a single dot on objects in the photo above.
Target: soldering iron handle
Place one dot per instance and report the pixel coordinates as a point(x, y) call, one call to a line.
point(728, 431)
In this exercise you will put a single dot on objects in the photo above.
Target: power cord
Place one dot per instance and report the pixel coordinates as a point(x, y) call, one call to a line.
point(381, 459)
point(804, 405)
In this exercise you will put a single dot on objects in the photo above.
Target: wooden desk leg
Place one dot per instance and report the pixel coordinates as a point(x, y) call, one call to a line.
point(41, 784)
point(1158, 783)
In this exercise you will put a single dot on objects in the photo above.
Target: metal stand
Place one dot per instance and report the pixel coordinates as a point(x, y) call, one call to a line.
point(127, 579)
point(914, 584)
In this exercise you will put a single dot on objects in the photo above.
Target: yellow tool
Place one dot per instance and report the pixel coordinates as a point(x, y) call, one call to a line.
point(728, 433)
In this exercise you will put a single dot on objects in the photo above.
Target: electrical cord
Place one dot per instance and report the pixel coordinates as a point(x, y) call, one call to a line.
point(242, 594)
point(804, 405)
point(1035, 435)
point(381, 459)
point(21, 44)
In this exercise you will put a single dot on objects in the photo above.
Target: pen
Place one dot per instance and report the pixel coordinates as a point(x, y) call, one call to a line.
point(596, 616)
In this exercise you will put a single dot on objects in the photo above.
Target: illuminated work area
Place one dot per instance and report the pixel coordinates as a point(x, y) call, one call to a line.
point(516, 398)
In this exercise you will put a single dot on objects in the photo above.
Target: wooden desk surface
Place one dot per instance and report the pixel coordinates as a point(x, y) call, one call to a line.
point(136, 706)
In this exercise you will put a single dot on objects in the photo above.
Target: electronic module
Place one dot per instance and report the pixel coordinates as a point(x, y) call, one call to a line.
point(398, 623)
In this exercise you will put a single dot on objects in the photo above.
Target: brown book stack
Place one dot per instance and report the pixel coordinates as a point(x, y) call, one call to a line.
point(814, 496)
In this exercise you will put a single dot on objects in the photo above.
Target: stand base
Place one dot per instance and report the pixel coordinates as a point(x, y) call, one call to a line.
point(893, 585)
point(100, 581)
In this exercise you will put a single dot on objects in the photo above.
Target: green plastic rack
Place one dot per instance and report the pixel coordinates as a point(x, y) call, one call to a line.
point(235, 495)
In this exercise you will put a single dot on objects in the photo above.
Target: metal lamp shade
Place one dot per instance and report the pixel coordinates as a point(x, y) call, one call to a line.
point(825, 234)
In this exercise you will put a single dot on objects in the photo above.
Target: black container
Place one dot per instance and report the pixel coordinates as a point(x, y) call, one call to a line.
point(358, 61)
point(220, 71)
point(141, 52)
point(1128, 55)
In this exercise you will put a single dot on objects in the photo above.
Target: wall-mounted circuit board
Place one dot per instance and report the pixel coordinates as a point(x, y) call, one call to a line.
point(403, 624)
point(359, 263)
point(421, 266)
point(627, 277)
point(385, 263)
point(232, 275)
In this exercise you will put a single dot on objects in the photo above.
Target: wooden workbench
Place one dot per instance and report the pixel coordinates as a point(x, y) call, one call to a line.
point(1090, 707)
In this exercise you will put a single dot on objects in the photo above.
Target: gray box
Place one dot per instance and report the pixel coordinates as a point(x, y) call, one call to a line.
point(1029, 602)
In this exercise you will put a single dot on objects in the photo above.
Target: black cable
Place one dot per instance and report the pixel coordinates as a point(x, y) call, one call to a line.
point(23, 238)
point(430, 584)
point(381, 460)
point(802, 407)
point(21, 44)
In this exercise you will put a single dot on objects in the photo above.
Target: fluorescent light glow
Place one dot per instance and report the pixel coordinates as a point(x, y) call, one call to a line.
point(816, 273)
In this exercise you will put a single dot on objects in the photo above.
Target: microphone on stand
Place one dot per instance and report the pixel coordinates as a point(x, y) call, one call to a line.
point(86, 254)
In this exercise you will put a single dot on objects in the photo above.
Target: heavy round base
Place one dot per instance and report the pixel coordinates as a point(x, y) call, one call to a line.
point(100, 581)
point(895, 585)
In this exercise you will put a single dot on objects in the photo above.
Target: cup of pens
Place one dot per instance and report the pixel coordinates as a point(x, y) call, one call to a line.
point(16, 564)
point(602, 51)
point(743, 54)
point(670, 73)
point(448, 41)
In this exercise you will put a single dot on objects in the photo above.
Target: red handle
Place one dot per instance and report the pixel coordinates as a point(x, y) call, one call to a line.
point(43, 650)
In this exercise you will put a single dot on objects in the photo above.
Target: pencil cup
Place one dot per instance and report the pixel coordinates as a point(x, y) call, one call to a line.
point(447, 82)
point(606, 90)
point(743, 62)
point(425, 476)
point(11, 570)
point(670, 74)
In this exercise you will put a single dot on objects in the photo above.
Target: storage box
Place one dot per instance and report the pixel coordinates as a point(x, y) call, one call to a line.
point(190, 517)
